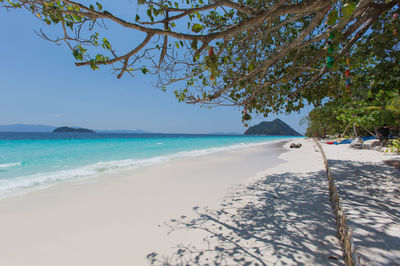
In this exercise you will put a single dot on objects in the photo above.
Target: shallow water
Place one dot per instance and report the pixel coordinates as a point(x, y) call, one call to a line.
point(33, 160)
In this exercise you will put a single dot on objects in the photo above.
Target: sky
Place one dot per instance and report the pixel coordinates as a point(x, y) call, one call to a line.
point(41, 85)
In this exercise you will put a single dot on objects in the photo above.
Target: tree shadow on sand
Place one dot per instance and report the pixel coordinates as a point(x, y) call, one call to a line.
point(370, 194)
point(283, 219)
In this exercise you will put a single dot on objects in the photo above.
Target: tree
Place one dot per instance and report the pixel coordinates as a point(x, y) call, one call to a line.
point(374, 97)
point(263, 55)
point(322, 121)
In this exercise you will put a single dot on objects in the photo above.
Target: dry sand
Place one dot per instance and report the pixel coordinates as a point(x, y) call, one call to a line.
point(231, 207)
point(370, 193)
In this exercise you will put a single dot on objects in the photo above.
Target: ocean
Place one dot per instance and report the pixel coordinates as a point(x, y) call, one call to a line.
point(31, 161)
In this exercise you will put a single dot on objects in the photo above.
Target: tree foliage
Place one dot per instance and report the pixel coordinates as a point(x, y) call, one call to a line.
point(262, 55)
point(323, 121)
point(376, 83)
point(372, 98)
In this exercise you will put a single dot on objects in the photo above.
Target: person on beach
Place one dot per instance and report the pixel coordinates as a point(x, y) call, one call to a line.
point(383, 135)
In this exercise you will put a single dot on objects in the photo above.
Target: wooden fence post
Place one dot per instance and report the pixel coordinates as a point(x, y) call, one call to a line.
point(343, 229)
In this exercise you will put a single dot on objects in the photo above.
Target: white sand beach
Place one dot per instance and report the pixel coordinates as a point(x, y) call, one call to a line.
point(266, 204)
point(114, 219)
point(370, 194)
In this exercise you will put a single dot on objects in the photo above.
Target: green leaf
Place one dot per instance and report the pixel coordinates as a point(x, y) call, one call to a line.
point(197, 27)
point(77, 54)
point(99, 6)
point(156, 12)
point(81, 49)
point(194, 45)
point(68, 24)
point(251, 67)
point(137, 18)
point(348, 10)
point(332, 17)
point(93, 64)
point(144, 70)
point(246, 117)
point(106, 44)
point(77, 18)
point(150, 15)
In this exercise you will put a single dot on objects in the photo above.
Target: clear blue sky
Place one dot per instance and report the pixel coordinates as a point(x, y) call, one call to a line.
point(41, 85)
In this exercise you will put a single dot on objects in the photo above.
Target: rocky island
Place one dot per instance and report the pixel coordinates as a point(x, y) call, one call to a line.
point(272, 128)
point(71, 129)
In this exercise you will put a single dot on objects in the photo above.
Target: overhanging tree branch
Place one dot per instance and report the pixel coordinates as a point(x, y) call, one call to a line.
point(262, 55)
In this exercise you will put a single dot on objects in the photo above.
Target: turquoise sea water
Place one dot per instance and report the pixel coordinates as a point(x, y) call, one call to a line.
point(35, 160)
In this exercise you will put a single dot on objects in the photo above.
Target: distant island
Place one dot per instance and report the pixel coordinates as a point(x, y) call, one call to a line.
point(71, 129)
point(272, 128)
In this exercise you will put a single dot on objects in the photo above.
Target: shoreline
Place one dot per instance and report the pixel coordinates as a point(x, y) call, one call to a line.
point(115, 219)
point(30, 183)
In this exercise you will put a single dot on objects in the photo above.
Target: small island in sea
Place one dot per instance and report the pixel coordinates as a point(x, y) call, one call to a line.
point(272, 128)
point(71, 129)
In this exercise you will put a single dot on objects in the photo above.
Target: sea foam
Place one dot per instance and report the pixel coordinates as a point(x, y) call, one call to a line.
point(8, 165)
point(24, 184)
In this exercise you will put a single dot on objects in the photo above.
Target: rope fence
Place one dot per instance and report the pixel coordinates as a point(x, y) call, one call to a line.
point(344, 232)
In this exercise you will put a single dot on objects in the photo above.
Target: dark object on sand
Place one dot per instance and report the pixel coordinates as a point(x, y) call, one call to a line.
point(383, 135)
point(394, 163)
point(293, 145)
